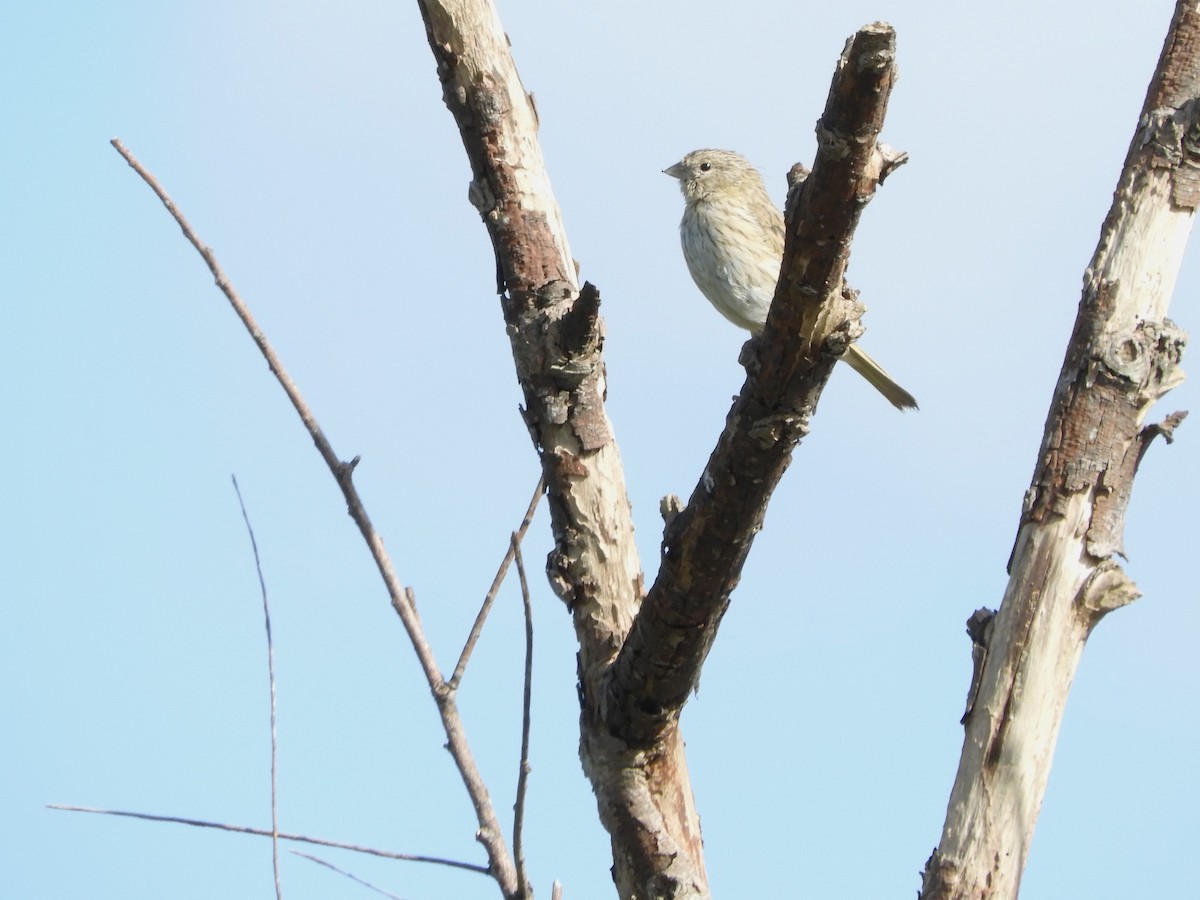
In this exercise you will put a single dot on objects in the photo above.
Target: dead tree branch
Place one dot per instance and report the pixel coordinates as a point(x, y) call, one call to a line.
point(262, 585)
point(518, 840)
point(345, 874)
point(1123, 356)
point(557, 339)
point(283, 836)
point(489, 833)
point(631, 747)
point(810, 323)
point(490, 598)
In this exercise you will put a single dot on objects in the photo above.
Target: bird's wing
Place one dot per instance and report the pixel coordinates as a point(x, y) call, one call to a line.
point(770, 220)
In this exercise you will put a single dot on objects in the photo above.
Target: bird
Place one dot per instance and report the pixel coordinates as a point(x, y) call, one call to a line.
point(732, 237)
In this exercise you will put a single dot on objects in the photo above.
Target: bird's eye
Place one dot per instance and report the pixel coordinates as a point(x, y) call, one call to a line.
point(705, 166)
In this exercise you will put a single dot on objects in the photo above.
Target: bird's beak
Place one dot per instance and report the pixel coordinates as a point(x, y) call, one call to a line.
point(676, 171)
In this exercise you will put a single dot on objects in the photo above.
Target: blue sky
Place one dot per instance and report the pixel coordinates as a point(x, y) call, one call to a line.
point(309, 147)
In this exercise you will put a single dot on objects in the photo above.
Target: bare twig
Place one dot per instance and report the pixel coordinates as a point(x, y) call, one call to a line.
point(477, 628)
point(523, 770)
point(411, 596)
point(489, 832)
point(262, 584)
point(352, 877)
point(283, 835)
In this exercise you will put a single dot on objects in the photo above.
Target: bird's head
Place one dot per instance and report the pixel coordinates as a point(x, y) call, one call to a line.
point(705, 173)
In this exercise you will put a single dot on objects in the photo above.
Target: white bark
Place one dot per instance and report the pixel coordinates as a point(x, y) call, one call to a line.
point(643, 794)
point(1064, 578)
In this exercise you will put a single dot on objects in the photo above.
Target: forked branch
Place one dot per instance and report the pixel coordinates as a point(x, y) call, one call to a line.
point(631, 749)
point(501, 864)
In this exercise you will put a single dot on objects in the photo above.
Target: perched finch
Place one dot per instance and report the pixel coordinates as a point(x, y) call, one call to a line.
point(732, 237)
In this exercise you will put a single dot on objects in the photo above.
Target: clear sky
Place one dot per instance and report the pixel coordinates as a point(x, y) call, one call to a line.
point(308, 144)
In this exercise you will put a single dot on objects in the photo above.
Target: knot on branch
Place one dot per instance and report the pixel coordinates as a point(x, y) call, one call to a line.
point(558, 354)
point(1164, 429)
point(1146, 358)
point(345, 470)
point(789, 426)
point(580, 330)
point(850, 329)
point(979, 627)
point(941, 878)
point(1106, 589)
point(670, 507)
point(885, 160)
point(1094, 442)
point(562, 577)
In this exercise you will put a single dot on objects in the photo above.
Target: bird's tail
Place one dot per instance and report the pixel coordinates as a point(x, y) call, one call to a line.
point(861, 363)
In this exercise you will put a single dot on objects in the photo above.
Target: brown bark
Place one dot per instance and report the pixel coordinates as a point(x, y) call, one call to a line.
point(557, 337)
point(810, 323)
point(630, 743)
point(1123, 356)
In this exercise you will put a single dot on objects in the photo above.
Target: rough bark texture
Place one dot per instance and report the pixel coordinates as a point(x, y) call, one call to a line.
point(810, 323)
point(553, 324)
point(630, 744)
point(645, 800)
point(1123, 356)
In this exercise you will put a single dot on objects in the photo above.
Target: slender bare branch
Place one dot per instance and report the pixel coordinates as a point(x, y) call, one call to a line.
point(411, 596)
point(262, 585)
point(477, 628)
point(489, 832)
point(345, 874)
point(242, 311)
point(283, 835)
point(526, 700)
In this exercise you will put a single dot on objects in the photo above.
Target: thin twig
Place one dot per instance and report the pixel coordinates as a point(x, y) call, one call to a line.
point(523, 770)
point(239, 307)
point(489, 832)
point(262, 584)
point(283, 835)
point(352, 877)
point(411, 596)
point(477, 628)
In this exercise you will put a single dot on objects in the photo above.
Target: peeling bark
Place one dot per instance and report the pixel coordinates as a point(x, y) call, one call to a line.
point(557, 336)
point(639, 661)
point(1123, 357)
